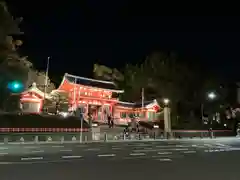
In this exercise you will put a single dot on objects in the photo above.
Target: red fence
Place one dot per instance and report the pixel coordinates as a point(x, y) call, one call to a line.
point(23, 130)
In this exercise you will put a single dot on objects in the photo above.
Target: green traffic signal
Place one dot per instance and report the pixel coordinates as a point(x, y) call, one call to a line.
point(15, 86)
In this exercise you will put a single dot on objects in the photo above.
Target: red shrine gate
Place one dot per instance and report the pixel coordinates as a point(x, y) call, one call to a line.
point(91, 95)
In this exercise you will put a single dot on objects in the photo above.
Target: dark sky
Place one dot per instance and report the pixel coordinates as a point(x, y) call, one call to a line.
point(76, 35)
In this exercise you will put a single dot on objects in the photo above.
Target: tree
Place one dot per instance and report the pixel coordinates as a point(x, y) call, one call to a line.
point(107, 73)
point(11, 64)
point(39, 77)
point(14, 67)
point(162, 75)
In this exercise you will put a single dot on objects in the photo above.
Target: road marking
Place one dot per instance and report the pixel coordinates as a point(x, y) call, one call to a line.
point(116, 148)
point(3, 148)
point(71, 157)
point(189, 152)
point(219, 144)
point(183, 146)
point(169, 146)
point(182, 149)
point(208, 145)
point(232, 149)
point(38, 162)
point(138, 145)
point(57, 146)
point(106, 155)
point(223, 145)
point(164, 153)
point(4, 163)
point(3, 153)
point(38, 151)
point(31, 158)
point(30, 147)
point(212, 150)
point(66, 150)
point(137, 154)
point(164, 159)
point(147, 148)
point(152, 150)
point(92, 149)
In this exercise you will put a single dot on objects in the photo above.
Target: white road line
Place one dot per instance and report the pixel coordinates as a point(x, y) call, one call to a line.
point(219, 144)
point(66, 150)
point(189, 152)
point(182, 149)
point(145, 150)
point(212, 150)
point(3, 148)
point(232, 149)
point(169, 146)
point(57, 146)
point(31, 158)
point(116, 148)
point(164, 159)
point(4, 163)
point(223, 145)
point(183, 146)
point(92, 149)
point(137, 154)
point(3, 154)
point(30, 147)
point(138, 145)
point(38, 151)
point(162, 153)
point(152, 150)
point(208, 145)
point(106, 155)
point(71, 157)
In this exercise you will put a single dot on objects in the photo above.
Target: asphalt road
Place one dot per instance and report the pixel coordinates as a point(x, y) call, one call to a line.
point(185, 159)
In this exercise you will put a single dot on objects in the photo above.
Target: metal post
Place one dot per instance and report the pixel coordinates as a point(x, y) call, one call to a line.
point(81, 128)
point(167, 122)
point(74, 94)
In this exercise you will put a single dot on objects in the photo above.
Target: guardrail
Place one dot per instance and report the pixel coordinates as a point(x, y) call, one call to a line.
point(88, 136)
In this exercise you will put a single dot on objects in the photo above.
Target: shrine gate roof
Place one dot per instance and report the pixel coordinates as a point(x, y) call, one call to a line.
point(108, 85)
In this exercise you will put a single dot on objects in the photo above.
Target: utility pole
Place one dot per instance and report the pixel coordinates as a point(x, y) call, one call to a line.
point(46, 81)
point(142, 98)
point(142, 115)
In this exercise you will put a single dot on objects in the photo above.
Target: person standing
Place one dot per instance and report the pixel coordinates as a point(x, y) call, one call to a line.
point(109, 121)
point(112, 121)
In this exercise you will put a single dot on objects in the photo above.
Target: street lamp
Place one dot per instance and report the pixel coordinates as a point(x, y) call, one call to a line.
point(211, 95)
point(167, 118)
point(166, 101)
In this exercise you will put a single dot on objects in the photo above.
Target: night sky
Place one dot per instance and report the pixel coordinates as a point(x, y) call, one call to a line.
point(116, 32)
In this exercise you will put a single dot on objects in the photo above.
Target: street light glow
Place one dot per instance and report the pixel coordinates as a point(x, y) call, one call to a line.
point(166, 101)
point(212, 95)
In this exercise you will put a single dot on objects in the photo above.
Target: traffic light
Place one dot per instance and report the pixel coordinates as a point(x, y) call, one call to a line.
point(15, 86)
